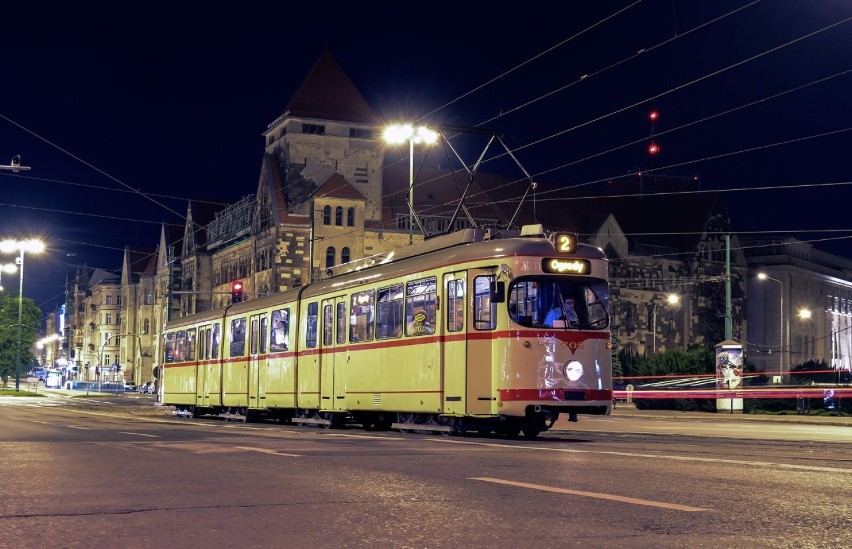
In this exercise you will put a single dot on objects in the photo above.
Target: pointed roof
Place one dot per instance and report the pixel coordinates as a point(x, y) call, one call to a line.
point(327, 93)
point(338, 187)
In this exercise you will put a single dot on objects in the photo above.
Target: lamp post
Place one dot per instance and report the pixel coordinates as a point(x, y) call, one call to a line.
point(21, 246)
point(400, 133)
point(764, 276)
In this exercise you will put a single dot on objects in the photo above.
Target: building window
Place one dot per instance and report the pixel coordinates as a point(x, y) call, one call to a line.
point(149, 296)
point(146, 325)
point(326, 215)
point(350, 217)
point(329, 257)
point(316, 129)
point(108, 319)
point(338, 216)
point(108, 299)
point(118, 300)
point(360, 133)
point(344, 255)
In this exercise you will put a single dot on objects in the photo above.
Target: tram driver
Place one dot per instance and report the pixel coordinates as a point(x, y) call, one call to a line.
point(562, 315)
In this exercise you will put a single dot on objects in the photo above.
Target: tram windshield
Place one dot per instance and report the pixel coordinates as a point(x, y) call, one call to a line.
point(551, 302)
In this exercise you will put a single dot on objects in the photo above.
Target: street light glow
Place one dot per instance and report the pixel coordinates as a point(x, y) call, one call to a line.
point(396, 134)
point(33, 246)
point(400, 133)
point(805, 313)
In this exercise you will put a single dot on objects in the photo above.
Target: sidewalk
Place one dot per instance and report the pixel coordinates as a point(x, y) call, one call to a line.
point(629, 410)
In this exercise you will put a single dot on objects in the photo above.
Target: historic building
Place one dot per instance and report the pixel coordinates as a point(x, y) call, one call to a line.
point(330, 191)
point(800, 306)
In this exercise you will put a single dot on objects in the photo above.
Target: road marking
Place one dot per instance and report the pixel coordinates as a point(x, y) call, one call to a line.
point(139, 434)
point(768, 464)
point(267, 451)
point(596, 495)
point(78, 427)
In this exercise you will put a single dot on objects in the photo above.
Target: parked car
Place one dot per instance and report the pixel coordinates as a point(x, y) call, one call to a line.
point(147, 388)
point(130, 387)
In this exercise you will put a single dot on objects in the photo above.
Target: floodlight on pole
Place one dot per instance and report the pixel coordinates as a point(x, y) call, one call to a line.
point(400, 133)
point(32, 246)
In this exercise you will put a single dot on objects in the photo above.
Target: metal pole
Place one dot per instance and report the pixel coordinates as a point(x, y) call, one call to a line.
point(410, 191)
point(729, 322)
point(20, 311)
point(781, 333)
point(654, 324)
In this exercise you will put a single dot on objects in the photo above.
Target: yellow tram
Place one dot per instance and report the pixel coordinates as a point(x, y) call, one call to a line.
point(474, 331)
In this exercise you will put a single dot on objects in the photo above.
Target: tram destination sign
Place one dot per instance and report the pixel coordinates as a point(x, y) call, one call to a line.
point(560, 265)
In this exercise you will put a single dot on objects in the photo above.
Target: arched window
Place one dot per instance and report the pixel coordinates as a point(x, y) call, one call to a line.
point(344, 255)
point(350, 217)
point(329, 257)
point(326, 215)
point(630, 318)
point(338, 216)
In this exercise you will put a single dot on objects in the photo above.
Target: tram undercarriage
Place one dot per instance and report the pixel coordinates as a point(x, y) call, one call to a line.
point(537, 420)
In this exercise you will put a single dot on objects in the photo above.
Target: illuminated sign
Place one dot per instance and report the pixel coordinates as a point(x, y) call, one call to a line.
point(566, 243)
point(566, 266)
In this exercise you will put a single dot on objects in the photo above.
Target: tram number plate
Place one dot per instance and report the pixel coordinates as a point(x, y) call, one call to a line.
point(575, 395)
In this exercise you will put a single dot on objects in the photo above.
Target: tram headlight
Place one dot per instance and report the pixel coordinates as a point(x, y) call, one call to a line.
point(573, 370)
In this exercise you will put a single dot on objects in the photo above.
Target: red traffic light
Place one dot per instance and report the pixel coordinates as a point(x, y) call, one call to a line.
point(236, 291)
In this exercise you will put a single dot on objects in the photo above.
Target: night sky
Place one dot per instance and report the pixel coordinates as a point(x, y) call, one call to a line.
point(125, 111)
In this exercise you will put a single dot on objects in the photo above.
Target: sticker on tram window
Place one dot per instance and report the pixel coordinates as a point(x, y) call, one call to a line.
point(566, 266)
point(566, 243)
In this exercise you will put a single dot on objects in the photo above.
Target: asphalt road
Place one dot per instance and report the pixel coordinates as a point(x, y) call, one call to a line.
point(119, 471)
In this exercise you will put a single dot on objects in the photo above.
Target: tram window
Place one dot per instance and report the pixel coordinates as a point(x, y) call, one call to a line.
point(180, 346)
point(535, 298)
point(203, 335)
point(327, 325)
point(484, 311)
point(280, 340)
point(455, 305)
point(389, 312)
point(361, 321)
point(238, 337)
point(214, 342)
point(170, 348)
point(523, 303)
point(341, 322)
point(311, 332)
point(420, 298)
point(190, 344)
point(253, 341)
point(264, 329)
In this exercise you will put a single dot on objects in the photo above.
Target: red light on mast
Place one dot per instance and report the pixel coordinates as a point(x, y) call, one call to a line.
point(653, 149)
point(653, 115)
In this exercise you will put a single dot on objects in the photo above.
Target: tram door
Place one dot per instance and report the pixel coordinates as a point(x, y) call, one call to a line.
point(254, 374)
point(332, 353)
point(456, 324)
point(483, 321)
point(201, 368)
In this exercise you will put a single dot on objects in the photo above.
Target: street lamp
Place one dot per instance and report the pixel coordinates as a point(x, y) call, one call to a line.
point(7, 268)
point(400, 133)
point(21, 246)
point(764, 276)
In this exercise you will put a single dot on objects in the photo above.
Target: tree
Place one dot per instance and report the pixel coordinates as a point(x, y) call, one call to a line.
point(31, 317)
point(617, 370)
